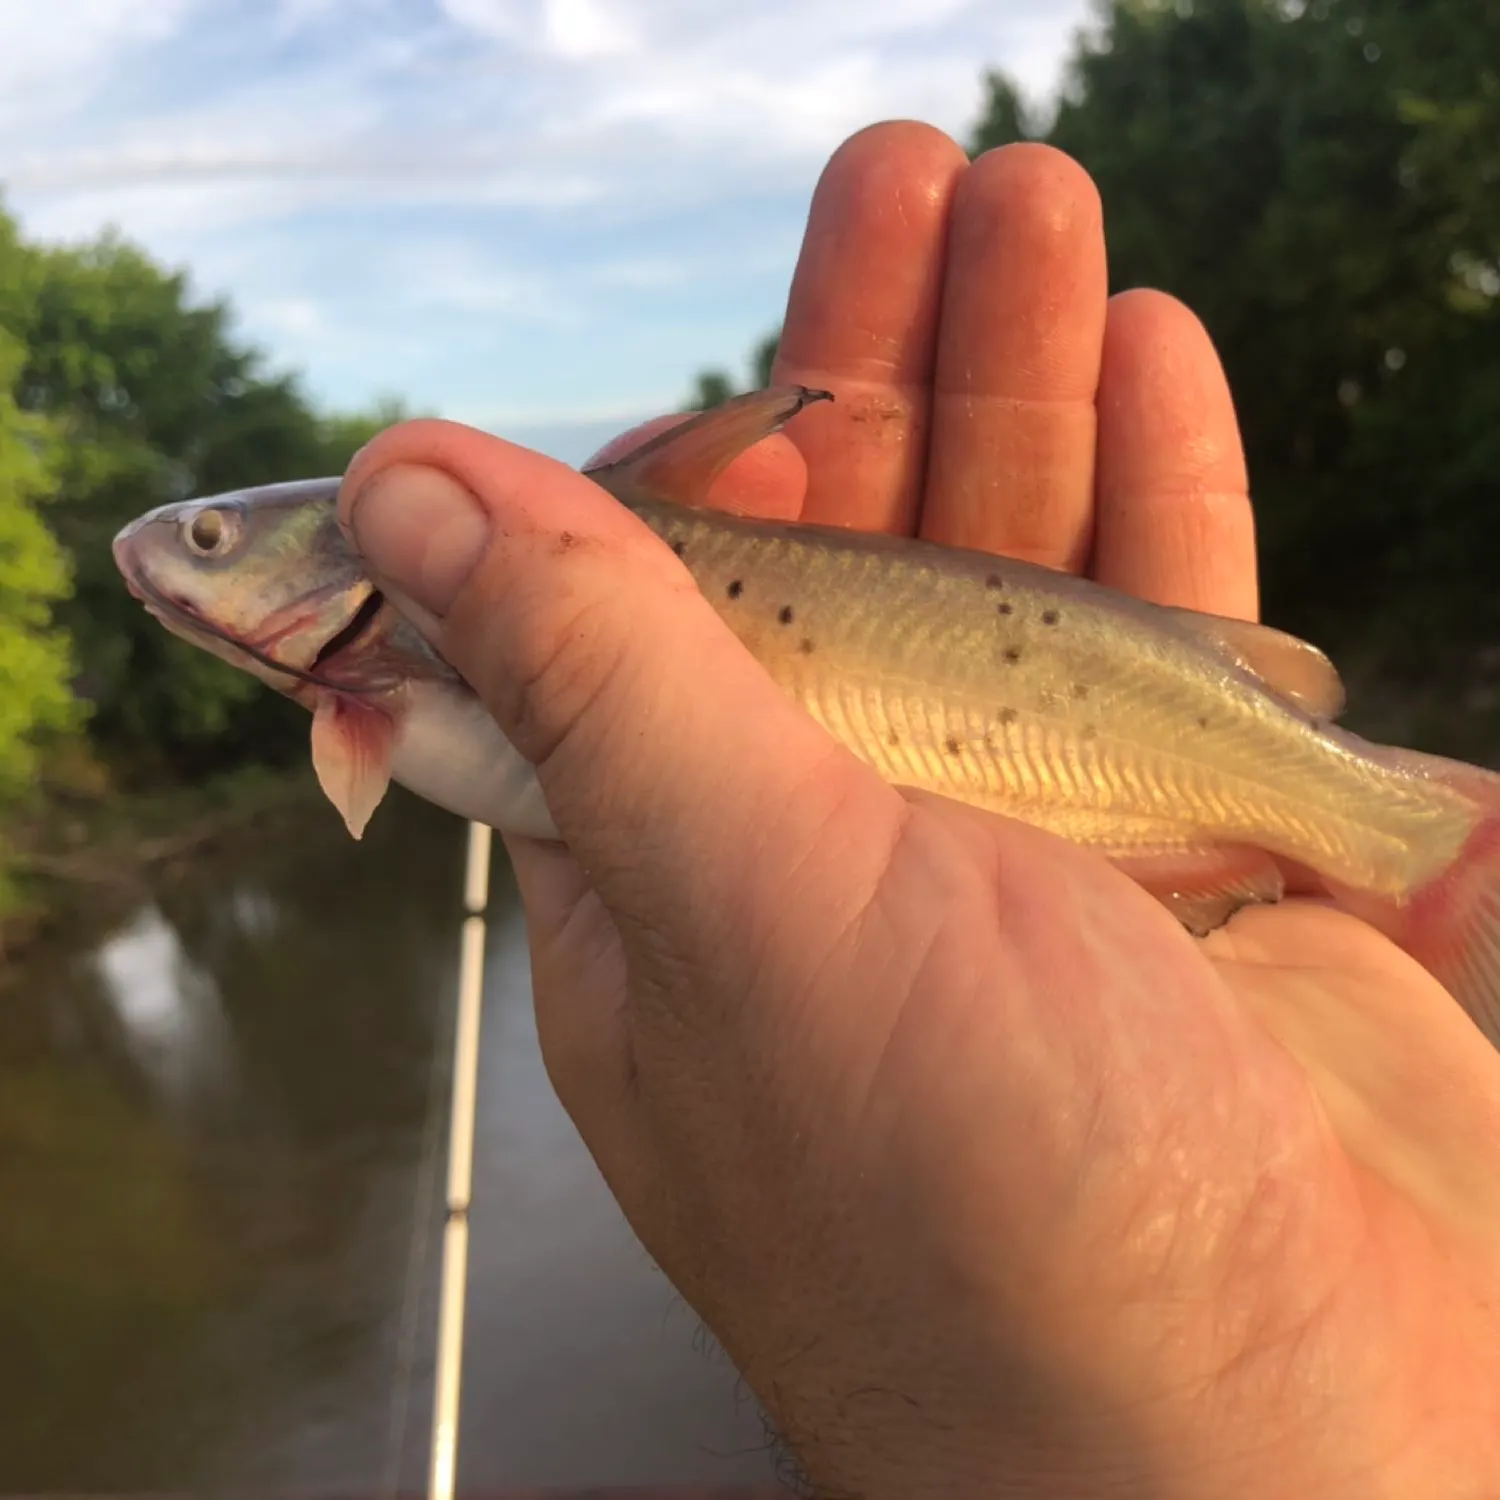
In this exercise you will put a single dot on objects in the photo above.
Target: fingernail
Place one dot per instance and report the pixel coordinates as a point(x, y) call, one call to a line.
point(421, 530)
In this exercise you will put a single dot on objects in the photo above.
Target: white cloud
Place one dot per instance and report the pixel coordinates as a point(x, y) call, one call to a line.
point(298, 316)
point(535, 167)
point(55, 54)
point(581, 29)
point(648, 98)
point(460, 275)
point(571, 30)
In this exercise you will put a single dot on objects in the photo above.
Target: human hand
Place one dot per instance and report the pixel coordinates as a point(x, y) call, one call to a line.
point(989, 1177)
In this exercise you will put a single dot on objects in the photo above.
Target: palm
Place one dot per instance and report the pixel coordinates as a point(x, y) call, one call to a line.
point(1105, 438)
point(1290, 1145)
point(1242, 1191)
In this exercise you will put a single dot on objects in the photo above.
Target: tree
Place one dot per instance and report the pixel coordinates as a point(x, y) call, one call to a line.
point(714, 387)
point(34, 658)
point(1005, 118)
point(34, 655)
point(762, 360)
point(157, 402)
point(1321, 183)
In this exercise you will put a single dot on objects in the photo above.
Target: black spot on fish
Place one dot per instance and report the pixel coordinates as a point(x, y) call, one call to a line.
point(951, 745)
point(994, 581)
point(1008, 716)
point(1050, 617)
point(736, 589)
point(1088, 732)
point(679, 547)
point(892, 738)
point(805, 646)
point(1080, 690)
point(785, 616)
point(1012, 653)
point(1202, 721)
point(1005, 609)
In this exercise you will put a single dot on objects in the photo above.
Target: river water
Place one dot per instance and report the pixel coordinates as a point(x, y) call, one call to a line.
point(223, 1114)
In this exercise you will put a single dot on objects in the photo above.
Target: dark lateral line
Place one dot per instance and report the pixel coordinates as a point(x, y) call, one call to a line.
point(358, 623)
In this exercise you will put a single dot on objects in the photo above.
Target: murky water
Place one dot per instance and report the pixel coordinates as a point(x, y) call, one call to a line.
point(222, 1143)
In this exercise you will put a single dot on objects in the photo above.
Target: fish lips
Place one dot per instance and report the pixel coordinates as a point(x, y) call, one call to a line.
point(182, 619)
point(124, 555)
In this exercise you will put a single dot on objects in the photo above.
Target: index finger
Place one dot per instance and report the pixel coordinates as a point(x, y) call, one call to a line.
point(861, 322)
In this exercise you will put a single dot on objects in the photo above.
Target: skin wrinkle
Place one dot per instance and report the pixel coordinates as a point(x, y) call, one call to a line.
point(571, 651)
point(1034, 220)
point(910, 991)
point(731, 1160)
point(1255, 1349)
point(1173, 513)
point(1022, 329)
point(1277, 1360)
point(753, 945)
point(588, 936)
point(834, 768)
point(856, 201)
point(909, 986)
point(876, 331)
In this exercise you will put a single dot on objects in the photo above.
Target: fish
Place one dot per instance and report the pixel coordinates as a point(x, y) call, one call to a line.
point(1199, 754)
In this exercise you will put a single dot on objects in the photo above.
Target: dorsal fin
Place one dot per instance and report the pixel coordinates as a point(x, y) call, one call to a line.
point(681, 463)
point(1288, 666)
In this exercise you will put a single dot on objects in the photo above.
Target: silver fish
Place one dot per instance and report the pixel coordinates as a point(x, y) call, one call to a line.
point(1197, 753)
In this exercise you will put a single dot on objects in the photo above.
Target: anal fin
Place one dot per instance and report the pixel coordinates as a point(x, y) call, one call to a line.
point(351, 753)
point(1204, 885)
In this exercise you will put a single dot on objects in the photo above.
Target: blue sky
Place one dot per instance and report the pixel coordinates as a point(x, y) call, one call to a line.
point(539, 216)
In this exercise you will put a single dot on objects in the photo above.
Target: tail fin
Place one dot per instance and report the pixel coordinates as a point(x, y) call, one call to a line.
point(1451, 926)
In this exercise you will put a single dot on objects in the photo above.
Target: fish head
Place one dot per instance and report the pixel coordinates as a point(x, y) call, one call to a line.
point(264, 579)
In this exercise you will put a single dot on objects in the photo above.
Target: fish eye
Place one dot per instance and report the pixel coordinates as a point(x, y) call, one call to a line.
point(210, 532)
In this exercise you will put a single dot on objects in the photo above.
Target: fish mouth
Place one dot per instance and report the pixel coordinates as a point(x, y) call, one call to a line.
point(353, 630)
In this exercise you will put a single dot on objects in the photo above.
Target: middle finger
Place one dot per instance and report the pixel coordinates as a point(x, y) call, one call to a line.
point(1011, 465)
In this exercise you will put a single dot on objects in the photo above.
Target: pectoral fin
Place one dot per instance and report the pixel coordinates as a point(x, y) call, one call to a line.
point(681, 463)
point(351, 752)
point(1287, 665)
point(1204, 886)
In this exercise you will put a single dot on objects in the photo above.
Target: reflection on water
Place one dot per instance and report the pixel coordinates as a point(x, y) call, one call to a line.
point(168, 1010)
point(222, 1134)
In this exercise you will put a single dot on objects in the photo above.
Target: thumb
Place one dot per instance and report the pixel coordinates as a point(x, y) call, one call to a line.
point(691, 790)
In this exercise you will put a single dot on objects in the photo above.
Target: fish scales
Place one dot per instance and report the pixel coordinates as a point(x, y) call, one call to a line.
point(1056, 710)
point(1191, 750)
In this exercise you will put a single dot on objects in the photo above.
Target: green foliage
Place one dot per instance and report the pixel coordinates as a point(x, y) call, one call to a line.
point(713, 387)
point(1005, 118)
point(762, 359)
point(1321, 183)
point(34, 659)
point(156, 401)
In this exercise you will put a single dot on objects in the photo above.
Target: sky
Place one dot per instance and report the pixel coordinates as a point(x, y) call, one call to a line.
point(538, 216)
